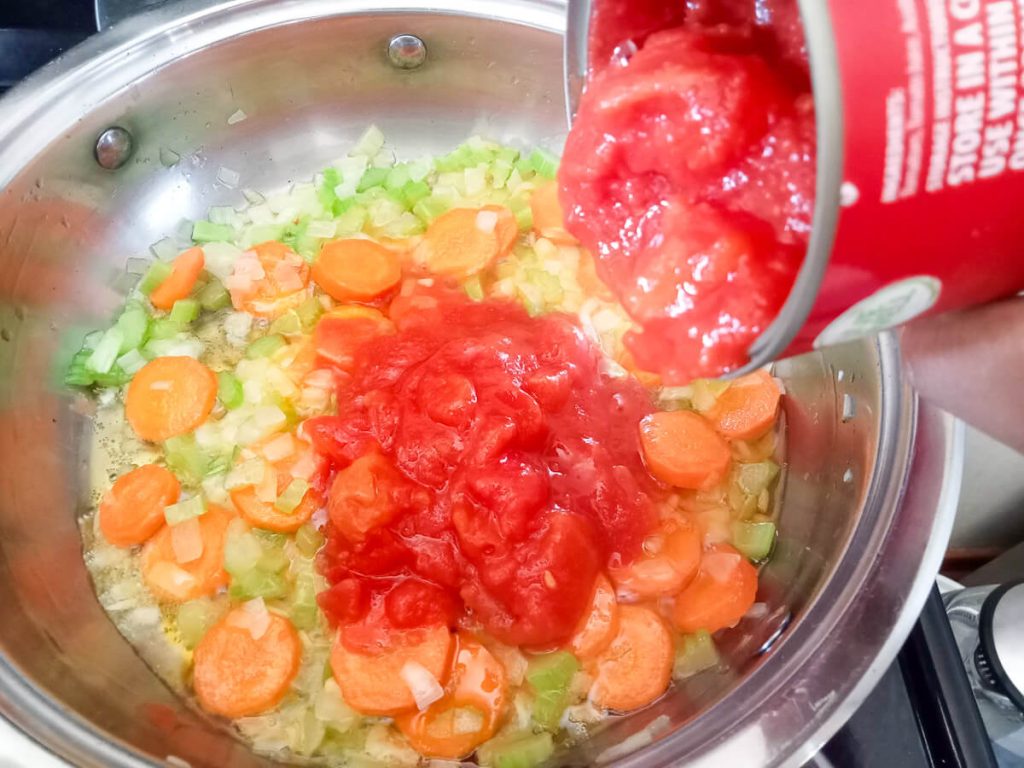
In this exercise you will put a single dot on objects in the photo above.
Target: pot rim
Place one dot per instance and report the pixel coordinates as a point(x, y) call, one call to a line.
point(793, 704)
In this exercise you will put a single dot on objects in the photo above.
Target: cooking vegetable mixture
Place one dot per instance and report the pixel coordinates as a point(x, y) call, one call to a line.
point(377, 480)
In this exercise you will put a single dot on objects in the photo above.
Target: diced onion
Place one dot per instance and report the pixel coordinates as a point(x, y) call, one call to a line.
point(305, 466)
point(720, 566)
point(279, 448)
point(270, 417)
point(422, 684)
point(165, 249)
point(236, 117)
point(186, 509)
point(253, 617)
point(237, 326)
point(330, 707)
point(467, 720)
point(247, 473)
point(187, 541)
point(228, 177)
point(322, 229)
point(486, 221)
point(266, 489)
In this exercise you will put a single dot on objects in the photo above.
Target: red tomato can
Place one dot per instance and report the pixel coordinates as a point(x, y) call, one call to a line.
point(920, 195)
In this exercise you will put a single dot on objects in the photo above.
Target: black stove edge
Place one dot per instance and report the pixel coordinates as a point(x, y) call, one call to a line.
point(22, 51)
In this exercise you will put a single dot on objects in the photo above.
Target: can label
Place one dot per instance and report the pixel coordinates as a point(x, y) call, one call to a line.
point(932, 205)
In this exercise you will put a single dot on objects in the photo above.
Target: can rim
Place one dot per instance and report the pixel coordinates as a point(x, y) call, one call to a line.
point(828, 116)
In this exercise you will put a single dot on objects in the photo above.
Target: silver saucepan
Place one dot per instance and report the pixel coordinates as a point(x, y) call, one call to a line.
point(872, 475)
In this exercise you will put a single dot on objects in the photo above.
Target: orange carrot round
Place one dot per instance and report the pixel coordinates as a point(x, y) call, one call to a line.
point(464, 241)
point(170, 396)
point(355, 269)
point(682, 449)
point(360, 496)
point(179, 284)
point(133, 509)
point(373, 683)
point(268, 280)
point(477, 691)
point(340, 332)
point(240, 672)
point(548, 218)
point(599, 625)
point(636, 667)
point(748, 408)
point(667, 570)
point(719, 596)
point(177, 582)
point(264, 514)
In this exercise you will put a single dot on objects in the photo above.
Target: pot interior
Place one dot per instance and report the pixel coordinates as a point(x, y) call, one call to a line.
point(310, 77)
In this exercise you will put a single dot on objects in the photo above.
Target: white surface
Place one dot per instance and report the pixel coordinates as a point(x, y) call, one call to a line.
point(18, 751)
point(991, 509)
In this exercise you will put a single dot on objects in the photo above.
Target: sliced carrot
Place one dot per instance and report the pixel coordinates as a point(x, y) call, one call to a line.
point(682, 449)
point(748, 408)
point(600, 624)
point(373, 683)
point(667, 570)
point(268, 280)
point(361, 498)
point(178, 582)
point(470, 711)
point(647, 378)
point(355, 269)
point(170, 396)
point(179, 284)
point(341, 332)
point(636, 667)
point(720, 595)
point(242, 669)
point(465, 241)
point(548, 217)
point(264, 514)
point(133, 509)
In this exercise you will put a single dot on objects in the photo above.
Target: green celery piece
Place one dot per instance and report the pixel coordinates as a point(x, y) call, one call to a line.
point(352, 220)
point(194, 619)
point(474, 288)
point(106, 352)
point(429, 208)
point(397, 177)
point(508, 155)
point(304, 609)
point(413, 192)
point(292, 496)
point(309, 312)
point(308, 540)
point(214, 296)
point(155, 275)
point(548, 707)
point(288, 324)
point(523, 213)
point(186, 459)
point(754, 478)
point(134, 325)
point(165, 328)
point(518, 751)
point(753, 540)
point(544, 163)
point(229, 390)
point(373, 177)
point(258, 583)
point(500, 171)
point(208, 232)
point(549, 676)
point(242, 551)
point(262, 233)
point(694, 653)
point(325, 192)
point(184, 311)
point(78, 375)
point(185, 510)
point(265, 346)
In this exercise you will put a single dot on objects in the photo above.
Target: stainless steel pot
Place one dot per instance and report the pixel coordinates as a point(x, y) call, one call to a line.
point(873, 476)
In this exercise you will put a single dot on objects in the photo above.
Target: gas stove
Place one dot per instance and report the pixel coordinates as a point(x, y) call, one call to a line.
point(922, 714)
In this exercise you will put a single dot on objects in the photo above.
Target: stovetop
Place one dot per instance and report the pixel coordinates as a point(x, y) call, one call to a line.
point(920, 715)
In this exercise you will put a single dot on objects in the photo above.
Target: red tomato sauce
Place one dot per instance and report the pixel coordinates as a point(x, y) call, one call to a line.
point(503, 468)
point(689, 173)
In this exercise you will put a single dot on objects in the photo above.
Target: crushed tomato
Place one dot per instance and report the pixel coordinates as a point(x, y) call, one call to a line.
point(689, 173)
point(513, 475)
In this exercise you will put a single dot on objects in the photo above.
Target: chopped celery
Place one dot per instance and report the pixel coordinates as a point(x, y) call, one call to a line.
point(261, 233)
point(186, 459)
point(694, 653)
point(304, 609)
point(352, 220)
point(194, 619)
point(184, 311)
point(287, 324)
point(429, 208)
point(156, 274)
point(518, 751)
point(309, 312)
point(273, 558)
point(257, 583)
point(265, 346)
point(550, 676)
point(165, 328)
point(208, 232)
point(754, 478)
point(474, 288)
point(413, 192)
point(370, 143)
point(397, 177)
point(373, 177)
point(523, 213)
point(134, 326)
point(130, 362)
point(106, 352)
point(214, 296)
point(308, 540)
point(544, 163)
point(78, 375)
point(500, 171)
point(325, 192)
point(242, 551)
point(754, 540)
point(550, 286)
point(706, 392)
point(289, 501)
point(185, 510)
point(507, 155)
